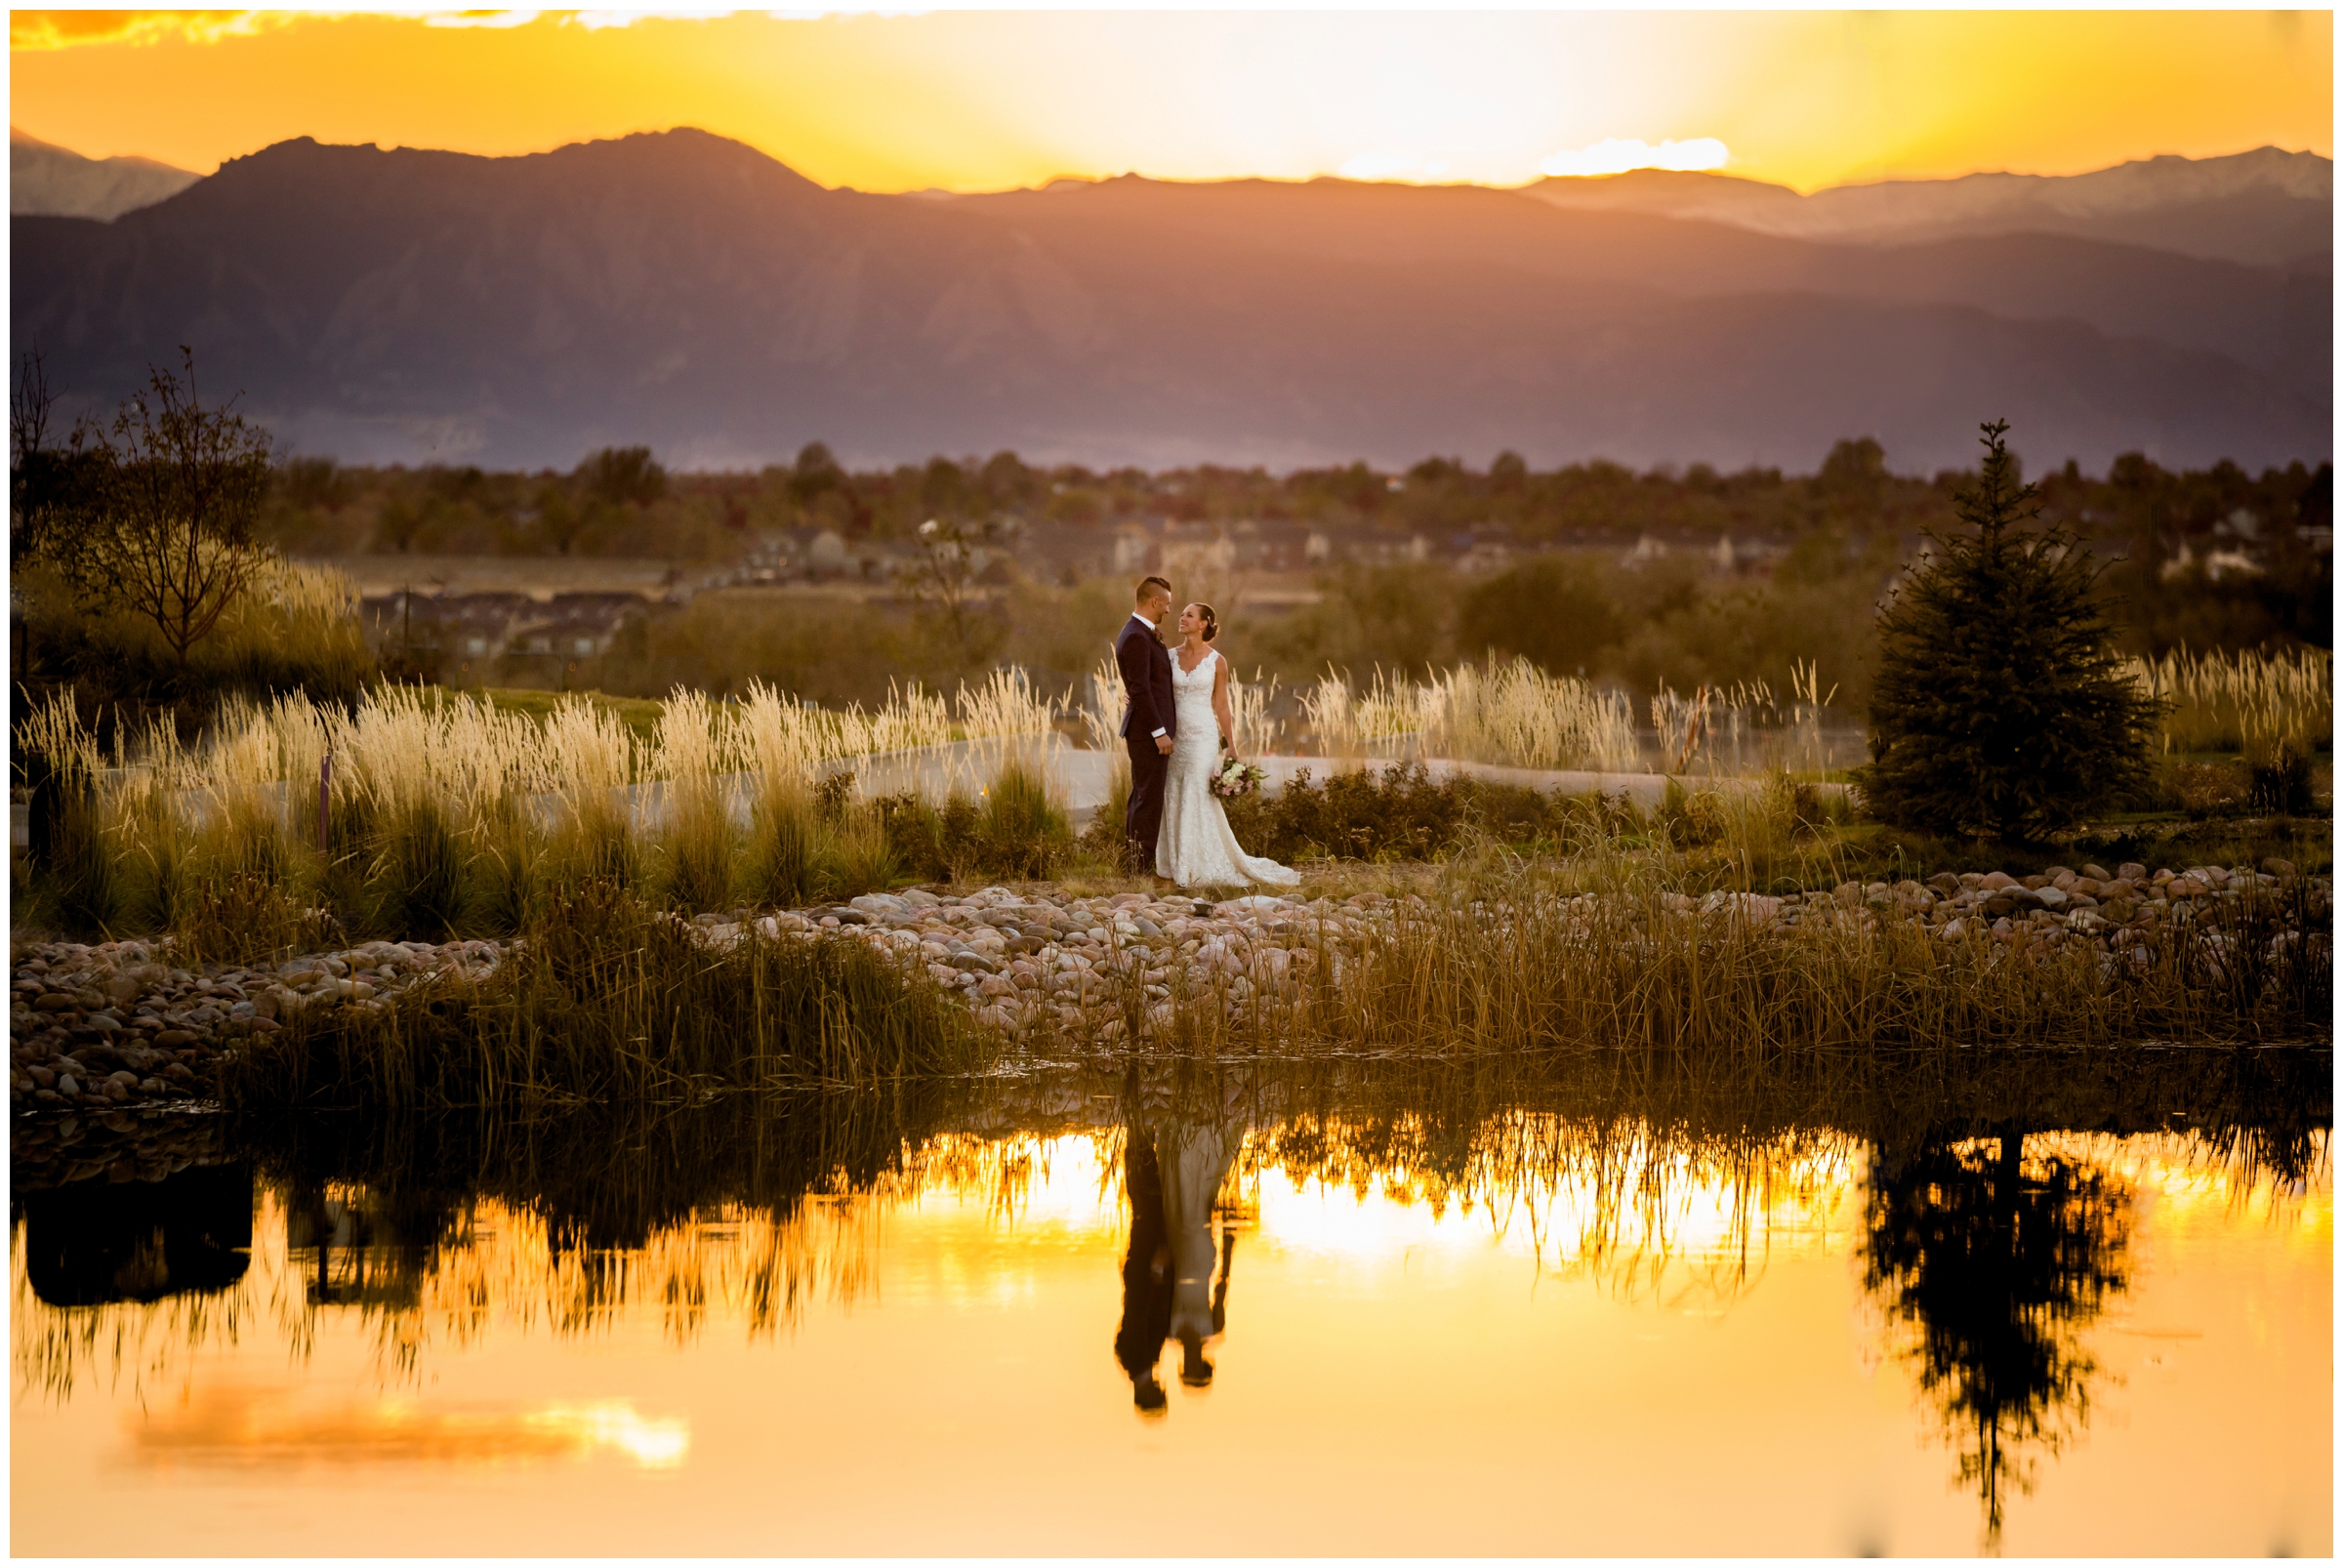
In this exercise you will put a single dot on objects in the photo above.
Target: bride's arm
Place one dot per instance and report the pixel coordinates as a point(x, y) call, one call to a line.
point(1220, 709)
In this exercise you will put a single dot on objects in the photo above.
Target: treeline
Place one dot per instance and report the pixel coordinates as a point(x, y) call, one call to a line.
point(150, 560)
point(622, 501)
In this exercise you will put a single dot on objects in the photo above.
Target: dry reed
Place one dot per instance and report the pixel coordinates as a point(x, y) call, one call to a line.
point(1511, 713)
point(1512, 956)
point(2251, 702)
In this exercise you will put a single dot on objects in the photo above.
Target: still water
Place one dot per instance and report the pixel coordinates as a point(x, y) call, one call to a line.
point(1197, 1315)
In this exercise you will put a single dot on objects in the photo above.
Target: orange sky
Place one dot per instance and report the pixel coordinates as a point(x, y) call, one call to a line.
point(983, 101)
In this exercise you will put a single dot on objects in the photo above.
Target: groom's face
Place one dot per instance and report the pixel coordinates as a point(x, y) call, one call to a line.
point(1157, 606)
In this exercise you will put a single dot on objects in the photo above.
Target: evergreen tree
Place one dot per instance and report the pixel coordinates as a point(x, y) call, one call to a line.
point(2000, 705)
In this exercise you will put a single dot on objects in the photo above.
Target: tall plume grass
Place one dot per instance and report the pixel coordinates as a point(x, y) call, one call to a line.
point(444, 813)
point(1512, 714)
point(1516, 714)
point(697, 840)
point(2256, 703)
point(782, 751)
point(1744, 730)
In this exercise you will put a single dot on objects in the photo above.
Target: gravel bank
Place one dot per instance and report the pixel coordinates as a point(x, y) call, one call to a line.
point(112, 1025)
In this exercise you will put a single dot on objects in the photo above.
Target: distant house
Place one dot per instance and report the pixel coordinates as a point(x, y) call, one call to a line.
point(1275, 547)
point(1388, 549)
point(461, 632)
point(1478, 551)
point(826, 553)
point(1194, 550)
point(812, 553)
point(478, 626)
point(1063, 550)
point(876, 560)
point(1648, 549)
point(1136, 550)
point(457, 626)
point(573, 626)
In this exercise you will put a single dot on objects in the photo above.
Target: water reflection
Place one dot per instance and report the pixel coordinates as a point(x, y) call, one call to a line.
point(1994, 1265)
point(98, 1241)
point(279, 1429)
point(1177, 1156)
point(1990, 1252)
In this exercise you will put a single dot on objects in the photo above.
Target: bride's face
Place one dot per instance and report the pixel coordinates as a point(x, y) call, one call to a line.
point(1191, 622)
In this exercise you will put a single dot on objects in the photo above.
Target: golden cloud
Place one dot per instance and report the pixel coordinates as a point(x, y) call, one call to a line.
point(65, 29)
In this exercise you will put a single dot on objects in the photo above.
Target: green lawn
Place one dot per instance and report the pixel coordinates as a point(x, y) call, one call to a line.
point(639, 714)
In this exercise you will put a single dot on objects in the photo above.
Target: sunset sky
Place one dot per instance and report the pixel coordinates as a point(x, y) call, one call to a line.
point(973, 100)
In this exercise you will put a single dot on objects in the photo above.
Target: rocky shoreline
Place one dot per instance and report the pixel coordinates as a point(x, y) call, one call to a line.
point(113, 1025)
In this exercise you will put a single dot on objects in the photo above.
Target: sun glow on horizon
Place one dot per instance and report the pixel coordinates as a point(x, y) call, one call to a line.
point(1616, 156)
point(973, 100)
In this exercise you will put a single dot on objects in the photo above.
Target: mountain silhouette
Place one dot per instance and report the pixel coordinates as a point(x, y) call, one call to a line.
point(689, 292)
point(2265, 207)
point(45, 177)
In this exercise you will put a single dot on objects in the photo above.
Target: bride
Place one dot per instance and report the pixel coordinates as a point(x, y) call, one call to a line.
point(1195, 848)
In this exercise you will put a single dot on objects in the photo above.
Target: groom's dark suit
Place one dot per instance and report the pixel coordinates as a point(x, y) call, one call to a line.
point(1146, 666)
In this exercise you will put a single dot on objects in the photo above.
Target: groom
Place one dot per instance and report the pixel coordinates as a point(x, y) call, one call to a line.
point(1147, 719)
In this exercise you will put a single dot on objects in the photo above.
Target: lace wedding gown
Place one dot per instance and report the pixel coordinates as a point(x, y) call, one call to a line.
point(1194, 846)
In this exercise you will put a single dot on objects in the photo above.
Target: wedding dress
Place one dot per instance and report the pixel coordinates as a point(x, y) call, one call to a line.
point(1195, 846)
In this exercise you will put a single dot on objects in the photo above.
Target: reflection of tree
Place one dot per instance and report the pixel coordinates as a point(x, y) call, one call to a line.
point(1996, 1264)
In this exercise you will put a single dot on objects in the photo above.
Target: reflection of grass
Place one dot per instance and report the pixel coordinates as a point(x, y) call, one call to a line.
point(1651, 1174)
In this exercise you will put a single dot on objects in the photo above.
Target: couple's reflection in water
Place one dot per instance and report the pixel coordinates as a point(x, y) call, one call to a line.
point(1174, 1272)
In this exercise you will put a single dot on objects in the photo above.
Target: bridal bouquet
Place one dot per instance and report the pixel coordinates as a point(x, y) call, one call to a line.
point(1236, 779)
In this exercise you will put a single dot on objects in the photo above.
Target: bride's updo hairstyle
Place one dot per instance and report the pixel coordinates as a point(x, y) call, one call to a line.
point(1211, 620)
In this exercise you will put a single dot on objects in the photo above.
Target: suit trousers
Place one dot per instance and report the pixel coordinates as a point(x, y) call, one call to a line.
point(1143, 817)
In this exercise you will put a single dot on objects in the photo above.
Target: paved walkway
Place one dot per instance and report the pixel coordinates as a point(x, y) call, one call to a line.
point(1083, 778)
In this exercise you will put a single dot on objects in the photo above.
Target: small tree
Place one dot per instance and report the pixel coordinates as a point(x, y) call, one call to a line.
point(942, 580)
point(53, 486)
point(2000, 705)
point(172, 540)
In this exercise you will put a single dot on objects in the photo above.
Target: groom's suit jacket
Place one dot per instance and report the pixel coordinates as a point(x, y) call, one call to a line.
point(1146, 666)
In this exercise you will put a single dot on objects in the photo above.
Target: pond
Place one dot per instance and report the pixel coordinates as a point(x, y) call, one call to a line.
point(2048, 1304)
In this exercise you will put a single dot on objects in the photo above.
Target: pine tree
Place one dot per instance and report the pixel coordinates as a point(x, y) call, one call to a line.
point(2000, 705)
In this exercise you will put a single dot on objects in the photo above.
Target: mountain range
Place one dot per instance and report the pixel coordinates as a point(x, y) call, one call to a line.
point(2263, 208)
point(689, 292)
point(44, 178)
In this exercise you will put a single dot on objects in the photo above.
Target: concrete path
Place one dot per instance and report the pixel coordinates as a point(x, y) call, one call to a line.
point(1082, 779)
